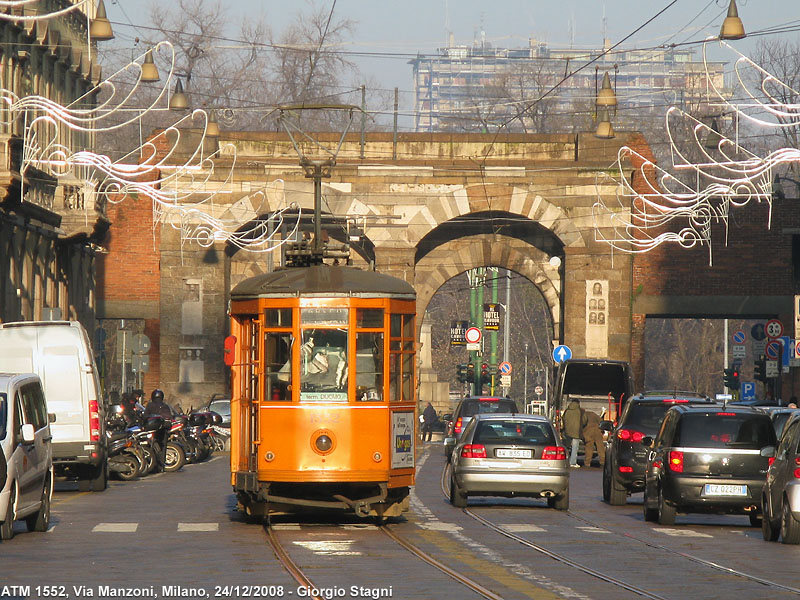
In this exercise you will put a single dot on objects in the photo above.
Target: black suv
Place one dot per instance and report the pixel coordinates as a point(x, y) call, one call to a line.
point(710, 459)
point(626, 456)
point(468, 408)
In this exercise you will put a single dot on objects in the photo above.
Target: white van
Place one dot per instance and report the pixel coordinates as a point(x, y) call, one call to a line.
point(25, 454)
point(59, 352)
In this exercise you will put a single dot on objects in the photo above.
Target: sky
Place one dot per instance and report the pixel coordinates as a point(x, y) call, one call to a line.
point(397, 30)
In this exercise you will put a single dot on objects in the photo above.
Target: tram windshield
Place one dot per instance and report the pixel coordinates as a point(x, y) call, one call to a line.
point(323, 365)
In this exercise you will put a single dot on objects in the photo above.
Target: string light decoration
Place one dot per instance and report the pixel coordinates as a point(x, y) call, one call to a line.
point(173, 169)
point(711, 173)
point(20, 5)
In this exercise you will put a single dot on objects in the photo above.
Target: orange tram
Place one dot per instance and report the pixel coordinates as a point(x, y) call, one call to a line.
point(323, 391)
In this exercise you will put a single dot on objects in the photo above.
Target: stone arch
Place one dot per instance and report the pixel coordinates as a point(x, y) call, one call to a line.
point(432, 271)
point(516, 200)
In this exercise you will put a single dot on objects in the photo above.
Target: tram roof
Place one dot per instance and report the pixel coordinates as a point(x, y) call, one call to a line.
point(323, 280)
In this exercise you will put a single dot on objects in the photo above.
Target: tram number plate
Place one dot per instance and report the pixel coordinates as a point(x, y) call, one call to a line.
point(512, 453)
point(711, 489)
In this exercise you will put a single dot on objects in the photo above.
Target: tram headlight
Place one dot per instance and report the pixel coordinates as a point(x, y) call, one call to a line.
point(324, 443)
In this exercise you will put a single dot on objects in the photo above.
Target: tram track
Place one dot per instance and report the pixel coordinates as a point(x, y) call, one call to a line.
point(302, 579)
point(628, 536)
point(549, 553)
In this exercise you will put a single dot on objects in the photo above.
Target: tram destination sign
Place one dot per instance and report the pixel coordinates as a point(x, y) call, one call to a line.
point(491, 317)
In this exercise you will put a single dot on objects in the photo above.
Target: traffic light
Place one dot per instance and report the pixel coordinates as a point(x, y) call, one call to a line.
point(731, 378)
point(760, 369)
point(471, 372)
point(461, 373)
point(485, 377)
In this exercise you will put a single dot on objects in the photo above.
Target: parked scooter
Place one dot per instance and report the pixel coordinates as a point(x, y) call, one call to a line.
point(125, 457)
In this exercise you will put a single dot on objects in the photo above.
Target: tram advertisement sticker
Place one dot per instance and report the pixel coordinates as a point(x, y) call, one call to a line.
point(403, 435)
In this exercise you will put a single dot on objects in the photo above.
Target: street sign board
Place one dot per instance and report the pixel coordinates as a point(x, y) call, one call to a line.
point(491, 317)
point(757, 332)
point(457, 329)
point(739, 351)
point(774, 328)
point(797, 321)
point(787, 349)
point(748, 390)
point(539, 390)
point(771, 369)
point(505, 368)
point(724, 397)
point(561, 353)
point(759, 346)
point(505, 380)
point(739, 337)
point(473, 346)
point(472, 335)
point(773, 350)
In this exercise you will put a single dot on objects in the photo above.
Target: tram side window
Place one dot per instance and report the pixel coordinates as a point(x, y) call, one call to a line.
point(369, 367)
point(401, 366)
point(278, 353)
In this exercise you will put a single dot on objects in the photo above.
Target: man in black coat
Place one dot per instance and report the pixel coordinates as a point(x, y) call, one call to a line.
point(429, 417)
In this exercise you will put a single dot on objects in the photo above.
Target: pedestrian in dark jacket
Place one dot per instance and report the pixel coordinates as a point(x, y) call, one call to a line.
point(429, 417)
point(593, 439)
point(573, 419)
point(157, 406)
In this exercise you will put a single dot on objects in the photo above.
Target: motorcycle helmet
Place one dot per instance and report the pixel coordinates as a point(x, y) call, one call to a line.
point(157, 395)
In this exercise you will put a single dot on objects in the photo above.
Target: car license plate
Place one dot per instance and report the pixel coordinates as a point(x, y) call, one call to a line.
point(711, 489)
point(512, 453)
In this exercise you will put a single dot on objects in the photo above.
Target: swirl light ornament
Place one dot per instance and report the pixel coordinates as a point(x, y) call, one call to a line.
point(175, 168)
point(19, 6)
point(711, 173)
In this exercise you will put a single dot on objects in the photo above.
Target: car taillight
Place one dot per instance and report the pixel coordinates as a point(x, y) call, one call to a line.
point(726, 414)
point(771, 460)
point(554, 453)
point(676, 461)
point(94, 421)
point(457, 426)
point(473, 451)
point(627, 435)
point(676, 400)
point(797, 473)
point(626, 469)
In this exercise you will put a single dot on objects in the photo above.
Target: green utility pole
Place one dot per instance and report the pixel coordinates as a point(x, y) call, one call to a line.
point(471, 275)
point(481, 280)
point(493, 354)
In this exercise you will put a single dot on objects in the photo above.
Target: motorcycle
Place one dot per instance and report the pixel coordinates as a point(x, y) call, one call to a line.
point(125, 457)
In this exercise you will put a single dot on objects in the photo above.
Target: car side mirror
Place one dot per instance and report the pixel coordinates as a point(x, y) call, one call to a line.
point(28, 434)
point(647, 441)
point(51, 417)
point(606, 425)
point(768, 451)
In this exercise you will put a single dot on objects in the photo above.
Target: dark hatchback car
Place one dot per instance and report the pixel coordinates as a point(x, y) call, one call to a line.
point(468, 408)
point(780, 503)
point(711, 459)
point(626, 456)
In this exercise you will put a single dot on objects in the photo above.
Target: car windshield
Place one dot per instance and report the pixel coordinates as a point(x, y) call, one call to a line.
point(3, 416)
point(222, 407)
point(646, 416)
point(514, 431)
point(475, 407)
point(725, 430)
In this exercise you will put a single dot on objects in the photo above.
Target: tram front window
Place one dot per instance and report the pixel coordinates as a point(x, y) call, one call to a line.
point(369, 367)
point(323, 365)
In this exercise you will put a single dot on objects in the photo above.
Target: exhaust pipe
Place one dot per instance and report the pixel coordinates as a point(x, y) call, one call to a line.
point(548, 494)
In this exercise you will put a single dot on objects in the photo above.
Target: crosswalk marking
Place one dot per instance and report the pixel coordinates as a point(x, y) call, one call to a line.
point(115, 527)
point(594, 529)
point(198, 526)
point(522, 528)
point(330, 547)
point(682, 532)
point(438, 526)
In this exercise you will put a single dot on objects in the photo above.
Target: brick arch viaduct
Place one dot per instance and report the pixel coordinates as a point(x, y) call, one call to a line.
point(432, 206)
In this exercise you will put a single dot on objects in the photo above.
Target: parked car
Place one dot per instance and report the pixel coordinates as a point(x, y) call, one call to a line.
point(466, 409)
point(779, 417)
point(26, 454)
point(60, 353)
point(780, 502)
point(626, 456)
point(710, 459)
point(510, 455)
point(222, 406)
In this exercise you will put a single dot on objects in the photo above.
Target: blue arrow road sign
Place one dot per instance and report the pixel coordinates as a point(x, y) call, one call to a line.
point(757, 331)
point(561, 353)
point(748, 390)
point(788, 349)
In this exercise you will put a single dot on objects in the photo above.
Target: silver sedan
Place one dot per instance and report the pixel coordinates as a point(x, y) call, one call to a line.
point(510, 455)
